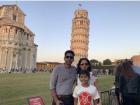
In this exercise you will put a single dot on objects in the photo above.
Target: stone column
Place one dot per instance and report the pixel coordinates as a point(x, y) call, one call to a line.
point(3, 11)
point(19, 61)
point(34, 56)
point(16, 58)
point(13, 60)
point(4, 60)
point(9, 59)
point(0, 56)
point(28, 59)
point(24, 57)
point(31, 59)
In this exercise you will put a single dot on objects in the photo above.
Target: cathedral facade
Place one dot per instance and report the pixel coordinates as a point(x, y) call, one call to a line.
point(17, 48)
point(80, 34)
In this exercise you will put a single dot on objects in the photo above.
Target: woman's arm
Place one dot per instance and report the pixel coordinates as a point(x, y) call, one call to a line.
point(75, 101)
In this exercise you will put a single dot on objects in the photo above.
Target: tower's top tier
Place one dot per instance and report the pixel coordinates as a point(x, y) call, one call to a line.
point(81, 13)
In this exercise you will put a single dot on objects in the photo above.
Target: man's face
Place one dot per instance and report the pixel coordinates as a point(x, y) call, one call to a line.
point(69, 58)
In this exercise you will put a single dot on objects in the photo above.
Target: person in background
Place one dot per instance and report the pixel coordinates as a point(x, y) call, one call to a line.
point(119, 69)
point(85, 93)
point(129, 85)
point(136, 67)
point(62, 81)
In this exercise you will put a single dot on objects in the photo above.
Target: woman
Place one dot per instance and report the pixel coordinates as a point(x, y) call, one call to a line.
point(84, 64)
point(129, 85)
point(119, 69)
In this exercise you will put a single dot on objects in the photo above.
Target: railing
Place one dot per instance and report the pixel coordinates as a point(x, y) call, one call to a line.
point(108, 97)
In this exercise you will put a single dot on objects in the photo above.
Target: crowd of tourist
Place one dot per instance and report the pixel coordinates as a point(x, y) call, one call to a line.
point(18, 70)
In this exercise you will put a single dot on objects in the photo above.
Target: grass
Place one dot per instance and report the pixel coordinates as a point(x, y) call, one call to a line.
point(105, 82)
point(15, 89)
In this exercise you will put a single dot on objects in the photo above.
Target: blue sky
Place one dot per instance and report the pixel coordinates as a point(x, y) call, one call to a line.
point(114, 27)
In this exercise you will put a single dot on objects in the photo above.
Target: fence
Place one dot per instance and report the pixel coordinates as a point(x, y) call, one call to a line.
point(108, 97)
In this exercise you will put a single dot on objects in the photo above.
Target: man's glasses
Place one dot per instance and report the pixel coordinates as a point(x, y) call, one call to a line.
point(84, 64)
point(71, 57)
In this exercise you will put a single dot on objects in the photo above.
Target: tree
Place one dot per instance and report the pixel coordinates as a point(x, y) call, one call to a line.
point(107, 62)
point(94, 62)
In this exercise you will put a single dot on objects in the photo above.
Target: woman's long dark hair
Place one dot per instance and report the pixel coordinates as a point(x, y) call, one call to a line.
point(128, 71)
point(78, 65)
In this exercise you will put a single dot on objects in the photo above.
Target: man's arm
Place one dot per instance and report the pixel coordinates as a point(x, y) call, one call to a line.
point(53, 83)
point(54, 96)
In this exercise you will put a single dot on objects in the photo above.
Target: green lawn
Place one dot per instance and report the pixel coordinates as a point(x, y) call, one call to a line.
point(105, 82)
point(16, 88)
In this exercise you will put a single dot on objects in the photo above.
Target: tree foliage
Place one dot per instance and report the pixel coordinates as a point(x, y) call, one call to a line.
point(94, 62)
point(107, 62)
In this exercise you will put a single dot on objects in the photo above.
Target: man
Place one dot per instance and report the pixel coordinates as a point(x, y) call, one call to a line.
point(62, 81)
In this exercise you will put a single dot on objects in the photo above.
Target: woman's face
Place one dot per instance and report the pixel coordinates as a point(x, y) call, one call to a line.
point(84, 65)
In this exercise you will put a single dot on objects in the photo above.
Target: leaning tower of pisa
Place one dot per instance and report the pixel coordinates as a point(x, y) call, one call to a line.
point(80, 34)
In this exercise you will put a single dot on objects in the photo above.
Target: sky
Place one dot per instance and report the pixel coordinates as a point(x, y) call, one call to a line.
point(114, 27)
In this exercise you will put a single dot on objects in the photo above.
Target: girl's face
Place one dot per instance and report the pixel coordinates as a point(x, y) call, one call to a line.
point(84, 65)
point(84, 79)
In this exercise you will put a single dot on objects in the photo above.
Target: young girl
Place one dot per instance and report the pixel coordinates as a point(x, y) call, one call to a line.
point(85, 93)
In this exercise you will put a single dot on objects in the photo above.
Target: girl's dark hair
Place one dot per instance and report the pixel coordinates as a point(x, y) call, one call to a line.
point(84, 72)
point(78, 65)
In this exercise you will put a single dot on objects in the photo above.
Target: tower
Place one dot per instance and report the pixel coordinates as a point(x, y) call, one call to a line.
point(80, 34)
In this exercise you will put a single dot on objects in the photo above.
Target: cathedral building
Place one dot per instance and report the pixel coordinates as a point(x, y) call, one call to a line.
point(80, 34)
point(17, 48)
